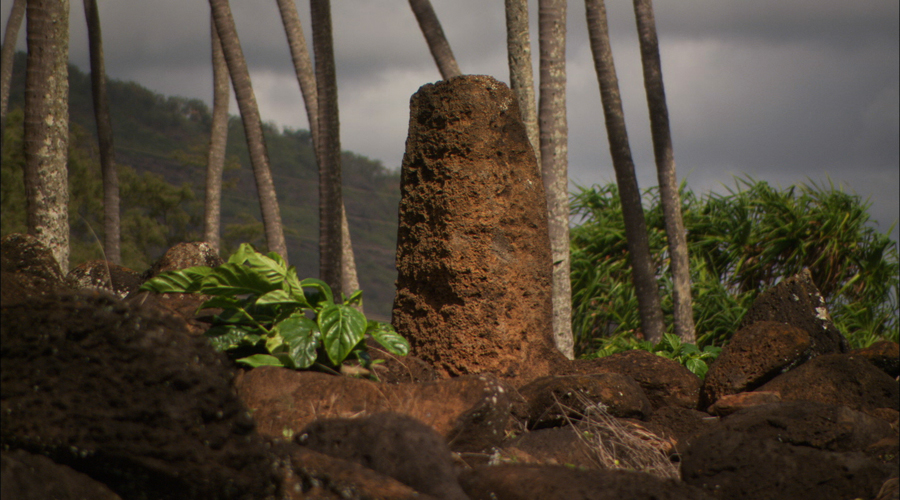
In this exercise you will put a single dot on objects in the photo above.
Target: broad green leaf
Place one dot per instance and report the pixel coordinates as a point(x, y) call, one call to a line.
point(689, 349)
point(224, 337)
point(180, 281)
point(384, 334)
point(321, 295)
point(342, 328)
point(355, 298)
point(301, 336)
point(281, 296)
point(233, 279)
point(697, 367)
point(261, 360)
point(222, 302)
point(672, 342)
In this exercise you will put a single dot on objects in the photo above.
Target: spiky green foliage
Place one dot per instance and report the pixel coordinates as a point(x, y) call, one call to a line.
point(741, 243)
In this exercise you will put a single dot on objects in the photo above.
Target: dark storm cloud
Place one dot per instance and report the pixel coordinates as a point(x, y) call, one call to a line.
point(788, 91)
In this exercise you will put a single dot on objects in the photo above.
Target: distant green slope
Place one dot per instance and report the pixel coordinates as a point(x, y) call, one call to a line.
point(168, 136)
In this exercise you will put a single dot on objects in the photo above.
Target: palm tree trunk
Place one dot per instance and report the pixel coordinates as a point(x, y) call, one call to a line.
point(521, 75)
point(307, 79)
point(7, 55)
point(256, 143)
point(47, 125)
point(642, 268)
point(554, 163)
point(330, 196)
point(434, 35)
point(665, 168)
point(111, 225)
point(218, 139)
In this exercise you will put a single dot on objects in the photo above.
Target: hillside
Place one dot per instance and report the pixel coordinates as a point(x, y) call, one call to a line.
point(160, 145)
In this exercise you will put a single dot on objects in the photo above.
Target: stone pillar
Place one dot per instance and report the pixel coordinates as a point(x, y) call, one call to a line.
point(473, 251)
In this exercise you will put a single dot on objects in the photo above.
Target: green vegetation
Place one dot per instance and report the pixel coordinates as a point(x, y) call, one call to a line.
point(161, 145)
point(265, 314)
point(740, 243)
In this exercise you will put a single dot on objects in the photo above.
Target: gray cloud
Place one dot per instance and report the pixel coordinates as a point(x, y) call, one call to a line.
point(783, 90)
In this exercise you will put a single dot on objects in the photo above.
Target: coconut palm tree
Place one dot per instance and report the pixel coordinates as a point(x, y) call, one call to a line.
point(259, 156)
point(307, 80)
point(47, 125)
point(665, 168)
point(434, 35)
point(218, 139)
point(554, 162)
point(16, 13)
point(111, 225)
point(330, 197)
point(643, 271)
point(521, 75)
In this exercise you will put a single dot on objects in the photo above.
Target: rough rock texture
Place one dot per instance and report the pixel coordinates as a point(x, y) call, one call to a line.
point(755, 354)
point(471, 412)
point(726, 405)
point(551, 446)
point(473, 251)
point(125, 396)
point(665, 381)
point(796, 301)
point(551, 482)
point(737, 465)
point(838, 379)
point(817, 425)
point(315, 476)
point(104, 275)
point(25, 476)
point(27, 267)
point(554, 400)
point(395, 445)
point(885, 355)
point(680, 424)
point(183, 256)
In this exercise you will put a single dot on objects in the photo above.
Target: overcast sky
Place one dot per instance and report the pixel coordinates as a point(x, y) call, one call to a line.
point(787, 91)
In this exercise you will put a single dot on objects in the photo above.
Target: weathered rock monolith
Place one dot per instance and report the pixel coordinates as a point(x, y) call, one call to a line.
point(473, 252)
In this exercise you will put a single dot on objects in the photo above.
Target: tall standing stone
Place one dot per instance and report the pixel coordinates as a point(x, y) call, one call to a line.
point(473, 251)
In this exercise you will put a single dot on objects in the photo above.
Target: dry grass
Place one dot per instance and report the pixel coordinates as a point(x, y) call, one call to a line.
point(620, 444)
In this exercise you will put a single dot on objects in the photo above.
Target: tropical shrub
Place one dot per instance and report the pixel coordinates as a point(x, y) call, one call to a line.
point(740, 243)
point(270, 317)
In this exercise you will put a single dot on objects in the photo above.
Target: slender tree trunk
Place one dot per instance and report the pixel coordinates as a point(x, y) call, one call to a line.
point(111, 226)
point(307, 79)
point(665, 168)
point(643, 271)
point(13, 23)
point(218, 139)
point(330, 197)
point(256, 143)
point(47, 126)
point(434, 35)
point(521, 76)
point(554, 163)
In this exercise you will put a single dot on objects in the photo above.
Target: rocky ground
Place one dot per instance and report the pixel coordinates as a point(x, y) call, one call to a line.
point(109, 393)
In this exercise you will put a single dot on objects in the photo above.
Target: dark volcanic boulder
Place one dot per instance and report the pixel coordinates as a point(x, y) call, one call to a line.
point(473, 252)
point(125, 396)
point(556, 482)
point(756, 354)
point(665, 381)
point(838, 379)
point(26, 476)
point(797, 301)
point(396, 445)
point(27, 267)
point(104, 275)
point(555, 400)
point(738, 465)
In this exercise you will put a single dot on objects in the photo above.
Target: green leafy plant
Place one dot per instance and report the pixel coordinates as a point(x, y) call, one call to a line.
point(740, 242)
point(692, 357)
point(270, 317)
